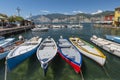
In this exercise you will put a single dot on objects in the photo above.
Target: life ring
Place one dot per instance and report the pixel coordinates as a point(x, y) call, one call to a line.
point(1, 49)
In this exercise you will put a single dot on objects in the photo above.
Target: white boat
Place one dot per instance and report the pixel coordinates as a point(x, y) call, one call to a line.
point(56, 26)
point(23, 51)
point(112, 47)
point(75, 25)
point(46, 52)
point(89, 50)
point(37, 29)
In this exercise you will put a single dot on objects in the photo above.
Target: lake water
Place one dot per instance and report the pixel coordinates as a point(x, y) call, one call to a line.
point(58, 69)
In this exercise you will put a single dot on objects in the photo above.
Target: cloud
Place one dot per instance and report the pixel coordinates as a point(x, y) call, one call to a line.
point(97, 12)
point(77, 11)
point(44, 11)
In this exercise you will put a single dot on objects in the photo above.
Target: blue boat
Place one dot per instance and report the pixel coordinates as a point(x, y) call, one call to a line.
point(113, 38)
point(4, 44)
point(2, 38)
point(22, 52)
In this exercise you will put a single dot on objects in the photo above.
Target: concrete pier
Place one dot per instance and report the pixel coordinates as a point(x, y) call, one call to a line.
point(6, 31)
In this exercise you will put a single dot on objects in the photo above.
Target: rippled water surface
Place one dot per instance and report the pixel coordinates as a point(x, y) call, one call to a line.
point(58, 69)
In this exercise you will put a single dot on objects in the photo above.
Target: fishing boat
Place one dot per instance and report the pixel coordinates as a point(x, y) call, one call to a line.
point(112, 47)
point(23, 51)
point(113, 38)
point(88, 50)
point(46, 52)
point(70, 54)
point(2, 38)
point(4, 44)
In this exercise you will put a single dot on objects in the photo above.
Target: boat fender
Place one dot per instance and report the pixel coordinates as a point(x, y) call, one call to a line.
point(1, 49)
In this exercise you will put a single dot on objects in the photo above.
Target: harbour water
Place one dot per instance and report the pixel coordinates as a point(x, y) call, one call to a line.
point(58, 69)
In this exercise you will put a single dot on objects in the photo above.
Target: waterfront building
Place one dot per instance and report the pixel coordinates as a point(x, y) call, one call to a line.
point(116, 21)
point(108, 19)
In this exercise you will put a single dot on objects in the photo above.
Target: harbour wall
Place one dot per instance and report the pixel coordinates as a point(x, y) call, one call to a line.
point(7, 31)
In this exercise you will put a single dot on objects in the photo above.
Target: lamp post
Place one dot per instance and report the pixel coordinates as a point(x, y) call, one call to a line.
point(18, 11)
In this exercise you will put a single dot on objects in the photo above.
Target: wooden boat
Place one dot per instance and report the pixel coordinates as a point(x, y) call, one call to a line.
point(23, 51)
point(46, 52)
point(70, 54)
point(2, 38)
point(113, 38)
point(112, 47)
point(4, 47)
point(89, 50)
point(6, 42)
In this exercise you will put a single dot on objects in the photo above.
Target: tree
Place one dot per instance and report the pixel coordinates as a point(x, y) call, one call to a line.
point(15, 19)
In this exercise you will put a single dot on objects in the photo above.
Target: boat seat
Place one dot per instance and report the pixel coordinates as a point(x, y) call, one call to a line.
point(81, 44)
point(71, 57)
point(65, 45)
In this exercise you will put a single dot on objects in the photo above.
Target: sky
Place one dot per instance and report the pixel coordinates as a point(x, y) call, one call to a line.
point(36, 7)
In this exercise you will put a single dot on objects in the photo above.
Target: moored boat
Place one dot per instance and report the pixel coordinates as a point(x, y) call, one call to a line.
point(4, 47)
point(112, 47)
point(70, 54)
point(2, 38)
point(6, 42)
point(113, 38)
point(46, 52)
point(88, 50)
point(23, 51)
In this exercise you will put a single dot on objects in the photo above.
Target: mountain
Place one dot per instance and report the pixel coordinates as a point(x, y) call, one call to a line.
point(104, 13)
point(57, 17)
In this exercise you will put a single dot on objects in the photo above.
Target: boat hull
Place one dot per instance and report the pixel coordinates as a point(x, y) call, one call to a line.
point(97, 58)
point(14, 61)
point(75, 66)
point(4, 54)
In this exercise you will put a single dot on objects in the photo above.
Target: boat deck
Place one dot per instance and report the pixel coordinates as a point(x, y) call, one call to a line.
point(47, 50)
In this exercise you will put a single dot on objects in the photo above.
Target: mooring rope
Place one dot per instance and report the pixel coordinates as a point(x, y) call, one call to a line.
point(5, 77)
point(107, 73)
point(81, 74)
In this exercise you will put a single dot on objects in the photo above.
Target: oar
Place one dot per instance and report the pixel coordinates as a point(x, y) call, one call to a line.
point(107, 73)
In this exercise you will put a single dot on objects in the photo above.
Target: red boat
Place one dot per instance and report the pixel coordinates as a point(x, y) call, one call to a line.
point(70, 54)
